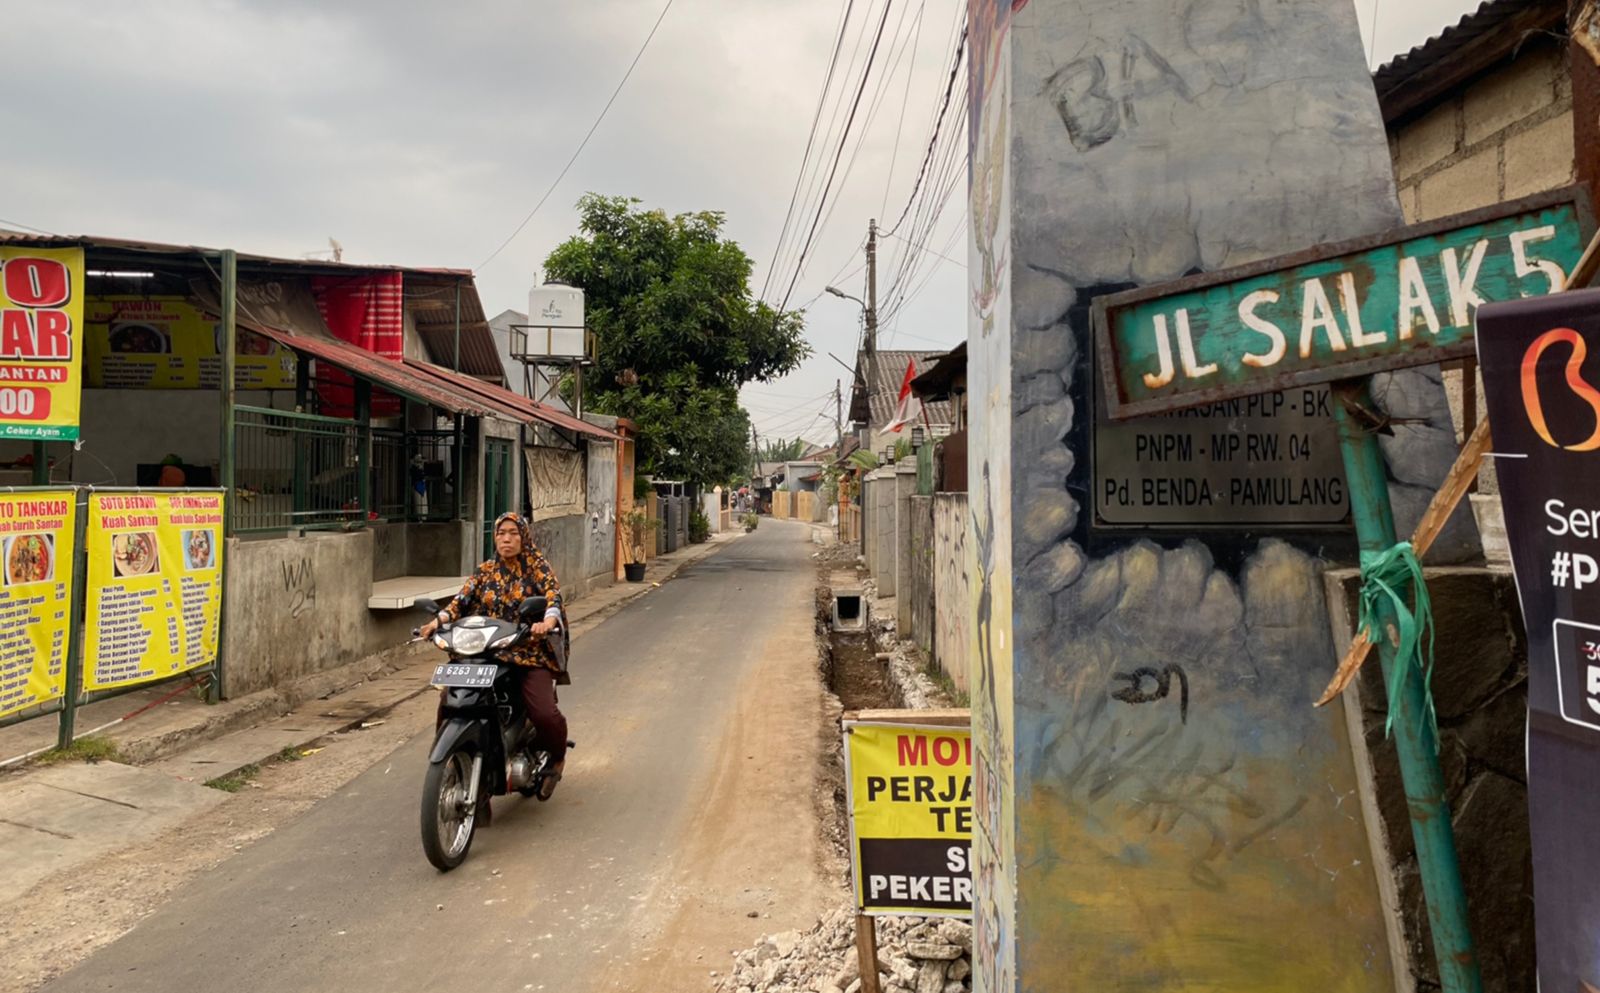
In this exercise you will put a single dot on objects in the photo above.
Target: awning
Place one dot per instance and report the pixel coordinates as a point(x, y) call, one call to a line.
point(452, 391)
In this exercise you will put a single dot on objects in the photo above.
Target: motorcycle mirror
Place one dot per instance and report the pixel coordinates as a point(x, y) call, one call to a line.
point(426, 605)
point(531, 606)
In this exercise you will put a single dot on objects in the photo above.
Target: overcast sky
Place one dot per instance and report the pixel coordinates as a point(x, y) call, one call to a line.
point(422, 134)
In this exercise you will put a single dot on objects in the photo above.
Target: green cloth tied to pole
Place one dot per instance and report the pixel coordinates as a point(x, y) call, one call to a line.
point(1383, 576)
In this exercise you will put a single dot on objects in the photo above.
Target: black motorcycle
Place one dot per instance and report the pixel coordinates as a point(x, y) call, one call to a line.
point(484, 746)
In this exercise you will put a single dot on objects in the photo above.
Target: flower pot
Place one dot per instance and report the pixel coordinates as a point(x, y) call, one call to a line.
point(634, 571)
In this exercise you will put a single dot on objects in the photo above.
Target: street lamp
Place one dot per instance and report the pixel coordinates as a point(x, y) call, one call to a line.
point(916, 437)
point(841, 293)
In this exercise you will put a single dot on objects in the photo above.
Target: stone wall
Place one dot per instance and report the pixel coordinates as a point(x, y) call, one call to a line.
point(952, 590)
point(1480, 692)
point(920, 591)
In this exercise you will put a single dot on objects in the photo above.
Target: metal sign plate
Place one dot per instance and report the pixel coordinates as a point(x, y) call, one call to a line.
point(1270, 460)
point(1405, 298)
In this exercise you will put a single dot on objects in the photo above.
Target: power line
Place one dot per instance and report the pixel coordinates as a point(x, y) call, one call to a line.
point(932, 252)
point(944, 107)
point(833, 171)
point(822, 99)
point(583, 144)
point(905, 99)
point(28, 227)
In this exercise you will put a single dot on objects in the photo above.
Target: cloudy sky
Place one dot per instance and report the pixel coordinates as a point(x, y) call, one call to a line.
point(423, 133)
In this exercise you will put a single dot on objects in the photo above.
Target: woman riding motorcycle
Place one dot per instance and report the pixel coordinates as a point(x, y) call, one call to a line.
point(520, 571)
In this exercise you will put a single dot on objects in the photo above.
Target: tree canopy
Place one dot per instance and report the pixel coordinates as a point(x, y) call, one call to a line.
point(677, 332)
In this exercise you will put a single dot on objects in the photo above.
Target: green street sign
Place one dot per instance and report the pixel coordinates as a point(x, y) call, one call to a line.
point(1404, 298)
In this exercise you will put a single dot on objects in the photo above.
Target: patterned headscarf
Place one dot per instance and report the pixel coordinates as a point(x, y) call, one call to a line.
point(530, 553)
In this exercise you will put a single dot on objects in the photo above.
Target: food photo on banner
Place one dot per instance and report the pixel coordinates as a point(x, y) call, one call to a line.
point(154, 586)
point(166, 342)
point(1541, 369)
point(36, 540)
point(909, 794)
point(41, 342)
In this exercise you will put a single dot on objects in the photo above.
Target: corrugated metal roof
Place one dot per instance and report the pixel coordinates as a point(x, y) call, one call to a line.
point(384, 372)
point(891, 372)
point(1494, 31)
point(11, 237)
point(433, 300)
point(515, 405)
point(430, 292)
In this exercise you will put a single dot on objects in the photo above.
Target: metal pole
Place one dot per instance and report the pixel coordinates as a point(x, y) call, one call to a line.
point(1413, 738)
point(230, 325)
point(41, 466)
point(364, 448)
point(80, 582)
point(457, 366)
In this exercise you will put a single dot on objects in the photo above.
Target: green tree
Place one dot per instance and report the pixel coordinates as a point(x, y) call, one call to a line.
point(677, 332)
point(784, 451)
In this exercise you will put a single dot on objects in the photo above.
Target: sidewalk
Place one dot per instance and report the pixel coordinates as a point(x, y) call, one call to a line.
point(56, 817)
point(152, 724)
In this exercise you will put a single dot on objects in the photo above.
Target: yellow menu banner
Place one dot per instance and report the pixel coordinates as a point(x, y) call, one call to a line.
point(167, 343)
point(154, 600)
point(41, 342)
point(37, 529)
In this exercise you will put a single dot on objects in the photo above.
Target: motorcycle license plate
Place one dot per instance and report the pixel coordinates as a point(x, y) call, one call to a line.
point(465, 675)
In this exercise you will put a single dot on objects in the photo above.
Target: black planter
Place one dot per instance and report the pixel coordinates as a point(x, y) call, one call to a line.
point(634, 571)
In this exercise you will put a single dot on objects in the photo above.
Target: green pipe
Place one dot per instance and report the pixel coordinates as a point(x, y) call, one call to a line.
point(1413, 739)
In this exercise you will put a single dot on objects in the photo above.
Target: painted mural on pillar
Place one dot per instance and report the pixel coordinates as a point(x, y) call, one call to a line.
point(1158, 807)
point(988, 552)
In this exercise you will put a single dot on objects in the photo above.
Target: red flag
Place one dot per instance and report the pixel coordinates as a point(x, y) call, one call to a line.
point(907, 407)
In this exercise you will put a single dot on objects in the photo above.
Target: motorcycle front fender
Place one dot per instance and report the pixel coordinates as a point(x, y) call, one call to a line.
point(460, 731)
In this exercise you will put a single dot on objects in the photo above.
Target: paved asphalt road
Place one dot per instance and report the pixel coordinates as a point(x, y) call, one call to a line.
point(660, 839)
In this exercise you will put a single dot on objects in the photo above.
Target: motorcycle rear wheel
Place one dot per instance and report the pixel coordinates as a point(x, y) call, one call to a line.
point(447, 823)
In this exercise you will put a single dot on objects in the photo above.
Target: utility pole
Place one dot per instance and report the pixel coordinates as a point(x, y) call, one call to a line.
point(838, 417)
point(755, 453)
point(871, 371)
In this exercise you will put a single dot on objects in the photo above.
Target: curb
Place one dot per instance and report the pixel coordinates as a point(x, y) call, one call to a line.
point(268, 705)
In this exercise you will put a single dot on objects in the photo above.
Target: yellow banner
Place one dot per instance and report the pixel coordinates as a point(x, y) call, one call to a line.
point(167, 343)
point(154, 599)
point(41, 342)
point(36, 538)
point(910, 802)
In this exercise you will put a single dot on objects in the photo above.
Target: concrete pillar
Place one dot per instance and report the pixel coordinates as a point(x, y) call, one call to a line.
point(905, 487)
point(1157, 806)
point(886, 555)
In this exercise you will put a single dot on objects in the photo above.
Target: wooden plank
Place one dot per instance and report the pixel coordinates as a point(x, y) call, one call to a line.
point(926, 718)
point(867, 953)
point(1456, 485)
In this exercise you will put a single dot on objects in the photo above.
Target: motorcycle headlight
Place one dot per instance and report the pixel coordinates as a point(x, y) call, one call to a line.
point(506, 641)
point(468, 641)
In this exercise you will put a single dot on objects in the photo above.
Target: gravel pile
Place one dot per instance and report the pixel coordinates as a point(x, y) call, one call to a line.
point(915, 955)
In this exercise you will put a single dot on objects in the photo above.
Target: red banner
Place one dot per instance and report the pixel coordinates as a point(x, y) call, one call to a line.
point(368, 312)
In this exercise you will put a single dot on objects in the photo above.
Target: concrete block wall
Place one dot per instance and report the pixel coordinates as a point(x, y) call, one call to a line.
point(1480, 693)
point(1506, 135)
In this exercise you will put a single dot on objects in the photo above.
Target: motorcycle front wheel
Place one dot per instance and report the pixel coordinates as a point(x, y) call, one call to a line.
point(447, 821)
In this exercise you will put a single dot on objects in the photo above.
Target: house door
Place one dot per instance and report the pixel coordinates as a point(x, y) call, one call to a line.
point(496, 487)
